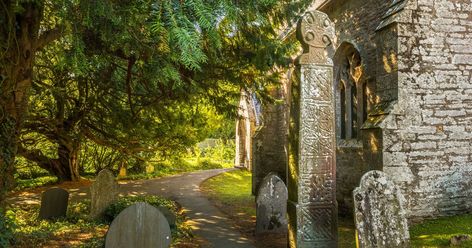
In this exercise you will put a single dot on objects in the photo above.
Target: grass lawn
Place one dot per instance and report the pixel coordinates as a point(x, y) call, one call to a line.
point(437, 233)
point(232, 193)
point(35, 182)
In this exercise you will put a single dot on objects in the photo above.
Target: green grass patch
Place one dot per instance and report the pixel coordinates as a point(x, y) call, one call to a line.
point(346, 232)
point(74, 230)
point(35, 182)
point(437, 233)
point(77, 229)
point(233, 189)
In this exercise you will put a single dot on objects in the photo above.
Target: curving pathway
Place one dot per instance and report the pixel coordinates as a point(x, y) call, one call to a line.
point(207, 221)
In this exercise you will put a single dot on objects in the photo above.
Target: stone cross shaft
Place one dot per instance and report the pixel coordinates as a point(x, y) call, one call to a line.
point(312, 166)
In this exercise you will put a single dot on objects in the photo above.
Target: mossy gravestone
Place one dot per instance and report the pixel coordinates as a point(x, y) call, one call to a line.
point(54, 204)
point(104, 191)
point(380, 217)
point(271, 209)
point(140, 225)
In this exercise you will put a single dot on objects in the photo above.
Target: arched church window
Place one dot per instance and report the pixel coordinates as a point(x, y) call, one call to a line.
point(354, 109)
point(351, 97)
point(342, 93)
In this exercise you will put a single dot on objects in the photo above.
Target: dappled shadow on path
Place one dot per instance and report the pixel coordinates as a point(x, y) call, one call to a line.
point(77, 190)
point(206, 220)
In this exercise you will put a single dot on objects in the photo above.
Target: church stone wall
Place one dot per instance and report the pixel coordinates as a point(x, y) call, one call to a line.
point(270, 140)
point(356, 22)
point(427, 137)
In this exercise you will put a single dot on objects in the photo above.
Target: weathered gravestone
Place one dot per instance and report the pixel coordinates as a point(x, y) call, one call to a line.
point(271, 207)
point(170, 216)
point(140, 225)
point(380, 217)
point(54, 204)
point(103, 192)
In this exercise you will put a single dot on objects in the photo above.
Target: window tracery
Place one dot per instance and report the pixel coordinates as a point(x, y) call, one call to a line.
point(350, 92)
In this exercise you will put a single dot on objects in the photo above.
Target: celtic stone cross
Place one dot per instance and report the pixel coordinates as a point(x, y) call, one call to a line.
point(312, 203)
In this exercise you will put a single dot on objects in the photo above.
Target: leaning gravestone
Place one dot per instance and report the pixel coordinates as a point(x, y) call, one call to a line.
point(140, 225)
point(380, 217)
point(54, 204)
point(271, 206)
point(103, 192)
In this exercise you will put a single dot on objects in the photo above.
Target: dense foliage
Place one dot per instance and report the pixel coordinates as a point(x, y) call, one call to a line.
point(6, 229)
point(137, 77)
point(112, 211)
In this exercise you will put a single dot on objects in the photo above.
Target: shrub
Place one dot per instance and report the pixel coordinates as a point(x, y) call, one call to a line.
point(223, 151)
point(35, 182)
point(181, 230)
point(207, 164)
point(114, 209)
point(78, 211)
point(6, 228)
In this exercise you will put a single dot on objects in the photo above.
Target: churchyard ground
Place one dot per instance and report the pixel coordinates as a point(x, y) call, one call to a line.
point(231, 192)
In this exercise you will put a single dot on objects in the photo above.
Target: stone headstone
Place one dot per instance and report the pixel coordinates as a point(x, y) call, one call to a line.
point(122, 172)
point(103, 191)
point(271, 206)
point(170, 216)
point(458, 240)
point(380, 217)
point(54, 204)
point(139, 225)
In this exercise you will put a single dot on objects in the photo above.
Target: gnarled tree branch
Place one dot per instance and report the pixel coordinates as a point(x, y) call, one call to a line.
point(49, 36)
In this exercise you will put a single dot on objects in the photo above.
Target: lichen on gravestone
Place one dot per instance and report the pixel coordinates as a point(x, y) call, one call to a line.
point(103, 192)
point(271, 206)
point(379, 213)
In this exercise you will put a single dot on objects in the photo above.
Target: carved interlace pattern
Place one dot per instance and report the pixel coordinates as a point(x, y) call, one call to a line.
point(316, 212)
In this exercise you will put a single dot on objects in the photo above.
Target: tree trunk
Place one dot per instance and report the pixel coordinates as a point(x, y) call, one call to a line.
point(65, 167)
point(18, 32)
point(8, 137)
point(68, 162)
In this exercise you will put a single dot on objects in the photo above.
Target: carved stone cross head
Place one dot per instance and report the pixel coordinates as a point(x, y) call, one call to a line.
point(316, 33)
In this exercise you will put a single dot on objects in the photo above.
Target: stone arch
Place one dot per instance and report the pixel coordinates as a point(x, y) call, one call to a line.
point(245, 128)
point(349, 91)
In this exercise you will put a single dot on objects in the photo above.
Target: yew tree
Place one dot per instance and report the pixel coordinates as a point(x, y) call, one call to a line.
point(111, 70)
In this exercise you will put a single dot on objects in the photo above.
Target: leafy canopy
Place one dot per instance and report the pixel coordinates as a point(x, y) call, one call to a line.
point(144, 76)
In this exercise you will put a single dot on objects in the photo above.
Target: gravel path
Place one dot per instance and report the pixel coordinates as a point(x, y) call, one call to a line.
point(208, 222)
